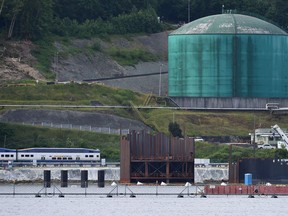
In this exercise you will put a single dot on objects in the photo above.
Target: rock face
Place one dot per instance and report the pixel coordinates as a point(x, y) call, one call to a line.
point(210, 174)
point(111, 174)
point(85, 65)
point(37, 174)
point(92, 119)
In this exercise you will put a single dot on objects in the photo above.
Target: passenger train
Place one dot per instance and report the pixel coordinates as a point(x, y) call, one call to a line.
point(53, 156)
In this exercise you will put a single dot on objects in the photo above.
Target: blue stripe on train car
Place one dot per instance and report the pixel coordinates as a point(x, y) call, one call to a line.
point(7, 150)
point(59, 150)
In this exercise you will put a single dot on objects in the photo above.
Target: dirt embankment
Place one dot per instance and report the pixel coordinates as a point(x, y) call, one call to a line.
point(17, 62)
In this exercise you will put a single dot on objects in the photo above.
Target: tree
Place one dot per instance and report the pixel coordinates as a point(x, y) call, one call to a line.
point(278, 12)
point(29, 19)
point(35, 19)
point(6, 133)
point(175, 130)
point(281, 153)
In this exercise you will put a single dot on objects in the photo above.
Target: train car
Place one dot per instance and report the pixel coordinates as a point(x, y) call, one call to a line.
point(7, 154)
point(53, 156)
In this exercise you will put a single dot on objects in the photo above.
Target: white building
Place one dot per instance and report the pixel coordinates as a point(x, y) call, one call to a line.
point(266, 135)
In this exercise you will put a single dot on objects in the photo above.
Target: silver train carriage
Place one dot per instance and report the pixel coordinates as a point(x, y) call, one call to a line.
point(50, 155)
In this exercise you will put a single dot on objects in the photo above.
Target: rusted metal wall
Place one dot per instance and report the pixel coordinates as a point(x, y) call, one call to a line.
point(160, 146)
point(125, 160)
point(246, 189)
point(156, 158)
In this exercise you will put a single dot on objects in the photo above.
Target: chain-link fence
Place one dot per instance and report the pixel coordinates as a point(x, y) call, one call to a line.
point(106, 130)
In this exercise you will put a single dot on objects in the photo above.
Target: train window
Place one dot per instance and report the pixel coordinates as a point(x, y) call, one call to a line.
point(31, 155)
point(69, 158)
point(22, 155)
point(59, 158)
point(53, 158)
point(64, 158)
point(86, 155)
point(26, 155)
point(91, 155)
point(97, 156)
point(77, 158)
point(42, 158)
point(11, 155)
point(6, 155)
point(2, 155)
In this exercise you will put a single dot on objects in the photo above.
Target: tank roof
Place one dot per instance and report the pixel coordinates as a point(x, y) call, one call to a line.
point(229, 24)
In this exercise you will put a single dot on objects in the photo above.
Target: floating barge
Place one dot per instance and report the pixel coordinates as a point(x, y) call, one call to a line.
point(246, 190)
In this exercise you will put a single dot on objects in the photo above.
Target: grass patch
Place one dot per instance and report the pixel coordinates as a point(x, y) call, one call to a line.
point(45, 53)
point(221, 123)
point(192, 123)
point(220, 152)
point(77, 94)
point(95, 47)
point(130, 57)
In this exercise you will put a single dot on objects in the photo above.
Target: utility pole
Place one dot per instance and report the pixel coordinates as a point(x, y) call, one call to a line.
point(160, 79)
point(254, 131)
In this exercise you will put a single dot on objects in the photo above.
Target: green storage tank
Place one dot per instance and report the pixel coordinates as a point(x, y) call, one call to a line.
point(228, 56)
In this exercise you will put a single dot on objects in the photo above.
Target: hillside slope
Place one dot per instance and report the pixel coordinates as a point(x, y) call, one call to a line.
point(82, 59)
point(84, 64)
point(72, 118)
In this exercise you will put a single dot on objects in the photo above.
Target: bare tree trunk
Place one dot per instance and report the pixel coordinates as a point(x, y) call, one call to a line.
point(2, 6)
point(12, 26)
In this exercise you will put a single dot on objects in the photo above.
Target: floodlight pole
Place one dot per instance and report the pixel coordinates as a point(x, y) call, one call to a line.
point(160, 79)
point(254, 144)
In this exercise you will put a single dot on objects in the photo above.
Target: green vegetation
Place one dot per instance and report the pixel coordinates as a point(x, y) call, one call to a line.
point(217, 123)
point(192, 123)
point(131, 57)
point(220, 152)
point(84, 19)
point(44, 54)
point(174, 129)
point(19, 136)
point(73, 94)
